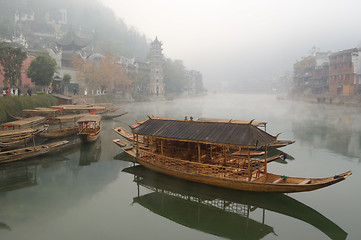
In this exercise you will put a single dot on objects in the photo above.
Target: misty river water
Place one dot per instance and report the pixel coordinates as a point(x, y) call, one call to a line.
point(93, 192)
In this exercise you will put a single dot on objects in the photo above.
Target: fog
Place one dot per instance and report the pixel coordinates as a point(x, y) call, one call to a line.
point(234, 41)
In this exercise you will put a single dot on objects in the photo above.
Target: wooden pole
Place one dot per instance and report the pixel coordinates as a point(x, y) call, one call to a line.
point(161, 146)
point(249, 165)
point(199, 152)
point(265, 159)
point(225, 155)
point(211, 152)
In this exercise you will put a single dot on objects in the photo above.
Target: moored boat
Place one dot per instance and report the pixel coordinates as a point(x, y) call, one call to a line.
point(67, 126)
point(110, 115)
point(10, 139)
point(24, 123)
point(89, 128)
point(29, 152)
point(201, 151)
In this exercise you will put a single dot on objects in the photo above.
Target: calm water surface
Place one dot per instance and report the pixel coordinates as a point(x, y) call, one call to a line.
point(91, 192)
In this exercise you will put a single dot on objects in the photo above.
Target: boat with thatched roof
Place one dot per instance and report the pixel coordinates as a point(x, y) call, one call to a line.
point(202, 151)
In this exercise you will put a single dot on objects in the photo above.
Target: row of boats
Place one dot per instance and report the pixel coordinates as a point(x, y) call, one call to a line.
point(57, 122)
point(225, 153)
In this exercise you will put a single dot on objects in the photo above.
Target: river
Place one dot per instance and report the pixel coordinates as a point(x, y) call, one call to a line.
point(94, 192)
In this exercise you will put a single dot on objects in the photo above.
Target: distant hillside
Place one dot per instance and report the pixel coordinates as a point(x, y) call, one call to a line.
point(89, 17)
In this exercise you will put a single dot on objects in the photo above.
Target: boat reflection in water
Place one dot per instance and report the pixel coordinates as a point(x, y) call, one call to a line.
point(90, 153)
point(221, 212)
point(16, 178)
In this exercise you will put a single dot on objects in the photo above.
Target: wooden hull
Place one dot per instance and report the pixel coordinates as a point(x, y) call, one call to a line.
point(21, 138)
point(252, 186)
point(89, 137)
point(280, 143)
point(60, 133)
point(124, 133)
point(126, 147)
point(29, 152)
point(107, 116)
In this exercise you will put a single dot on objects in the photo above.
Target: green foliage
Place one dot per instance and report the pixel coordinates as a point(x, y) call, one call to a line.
point(66, 79)
point(13, 105)
point(11, 60)
point(41, 70)
point(174, 79)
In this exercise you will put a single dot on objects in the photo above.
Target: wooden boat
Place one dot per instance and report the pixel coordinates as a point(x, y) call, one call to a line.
point(49, 113)
point(89, 128)
point(280, 143)
point(127, 147)
point(201, 151)
point(109, 110)
point(226, 200)
point(16, 138)
point(24, 123)
point(124, 133)
point(110, 115)
point(82, 108)
point(29, 152)
point(63, 130)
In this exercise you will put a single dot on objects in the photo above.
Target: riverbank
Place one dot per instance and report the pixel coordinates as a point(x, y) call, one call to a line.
point(354, 100)
point(13, 105)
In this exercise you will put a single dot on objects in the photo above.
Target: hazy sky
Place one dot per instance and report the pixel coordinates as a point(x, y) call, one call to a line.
point(233, 40)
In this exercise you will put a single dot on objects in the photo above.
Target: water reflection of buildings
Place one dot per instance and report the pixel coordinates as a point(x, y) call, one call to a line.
point(330, 127)
point(221, 212)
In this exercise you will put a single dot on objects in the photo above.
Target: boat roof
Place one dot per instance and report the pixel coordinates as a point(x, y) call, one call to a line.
point(25, 121)
point(98, 106)
point(90, 118)
point(7, 133)
point(239, 134)
point(68, 118)
point(41, 110)
point(254, 123)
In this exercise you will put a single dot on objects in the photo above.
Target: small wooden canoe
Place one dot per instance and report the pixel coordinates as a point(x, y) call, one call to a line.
point(29, 152)
point(281, 143)
point(125, 134)
point(127, 147)
point(109, 115)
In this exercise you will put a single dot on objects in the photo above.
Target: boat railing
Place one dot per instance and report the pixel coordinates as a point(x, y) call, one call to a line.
point(191, 167)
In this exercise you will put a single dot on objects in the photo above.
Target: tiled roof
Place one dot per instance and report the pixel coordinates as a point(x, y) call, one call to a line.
point(199, 131)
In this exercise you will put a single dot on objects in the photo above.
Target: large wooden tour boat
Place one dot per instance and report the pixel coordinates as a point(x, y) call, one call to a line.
point(203, 151)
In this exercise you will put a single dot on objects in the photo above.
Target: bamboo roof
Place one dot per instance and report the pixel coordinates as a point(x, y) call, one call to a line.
point(41, 111)
point(90, 118)
point(100, 106)
point(24, 121)
point(239, 134)
point(68, 118)
point(9, 133)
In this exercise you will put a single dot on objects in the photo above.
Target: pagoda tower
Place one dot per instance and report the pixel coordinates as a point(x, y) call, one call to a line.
point(156, 85)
